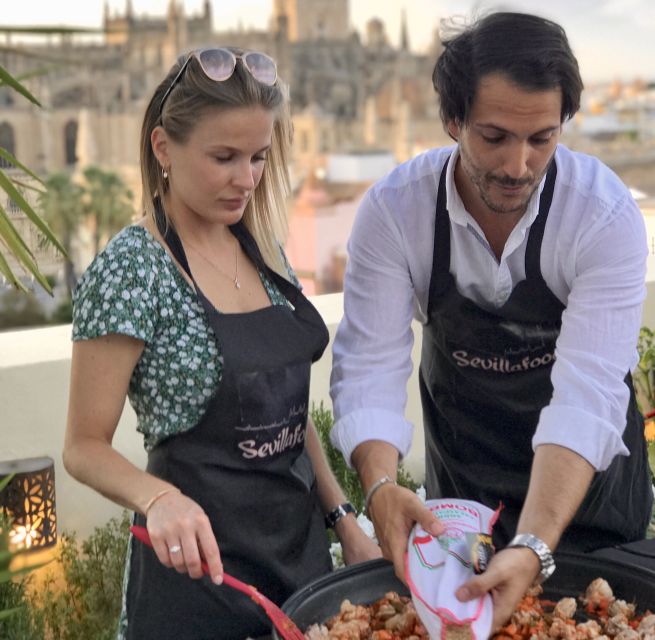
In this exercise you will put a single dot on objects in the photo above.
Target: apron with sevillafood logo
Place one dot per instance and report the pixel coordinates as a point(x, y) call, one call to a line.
point(246, 465)
point(484, 379)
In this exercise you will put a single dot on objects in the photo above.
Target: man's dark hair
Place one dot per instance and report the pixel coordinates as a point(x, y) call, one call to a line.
point(530, 51)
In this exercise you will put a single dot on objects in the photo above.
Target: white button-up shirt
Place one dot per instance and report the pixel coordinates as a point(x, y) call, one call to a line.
point(593, 258)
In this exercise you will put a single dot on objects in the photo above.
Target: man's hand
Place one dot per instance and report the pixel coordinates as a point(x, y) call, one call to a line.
point(394, 510)
point(510, 574)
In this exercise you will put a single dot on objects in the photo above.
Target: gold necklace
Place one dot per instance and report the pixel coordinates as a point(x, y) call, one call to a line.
point(235, 280)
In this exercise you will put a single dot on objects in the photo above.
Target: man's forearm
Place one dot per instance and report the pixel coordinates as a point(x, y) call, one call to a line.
point(559, 482)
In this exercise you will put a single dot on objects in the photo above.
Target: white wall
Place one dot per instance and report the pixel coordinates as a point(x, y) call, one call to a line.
point(34, 375)
point(34, 383)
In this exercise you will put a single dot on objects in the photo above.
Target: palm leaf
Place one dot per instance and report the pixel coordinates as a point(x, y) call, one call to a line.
point(6, 480)
point(12, 160)
point(17, 246)
point(6, 271)
point(7, 78)
point(36, 73)
point(25, 185)
point(42, 225)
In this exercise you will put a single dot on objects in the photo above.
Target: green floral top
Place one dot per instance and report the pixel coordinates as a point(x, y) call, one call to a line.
point(133, 288)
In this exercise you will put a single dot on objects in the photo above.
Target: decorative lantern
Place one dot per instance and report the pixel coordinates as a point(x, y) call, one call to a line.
point(29, 502)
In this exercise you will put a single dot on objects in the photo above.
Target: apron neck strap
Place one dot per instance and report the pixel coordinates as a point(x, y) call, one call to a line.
point(533, 248)
point(165, 227)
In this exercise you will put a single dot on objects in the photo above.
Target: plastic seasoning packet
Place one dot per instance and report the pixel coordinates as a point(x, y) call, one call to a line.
point(436, 567)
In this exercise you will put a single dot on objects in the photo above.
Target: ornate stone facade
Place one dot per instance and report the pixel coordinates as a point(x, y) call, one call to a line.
point(350, 93)
point(346, 93)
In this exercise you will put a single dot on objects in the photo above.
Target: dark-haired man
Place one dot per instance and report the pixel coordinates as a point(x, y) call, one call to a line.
point(525, 262)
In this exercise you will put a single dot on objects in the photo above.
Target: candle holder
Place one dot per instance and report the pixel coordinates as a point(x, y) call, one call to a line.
point(28, 501)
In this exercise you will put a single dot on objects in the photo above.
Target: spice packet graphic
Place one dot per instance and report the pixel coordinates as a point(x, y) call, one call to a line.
point(436, 567)
point(481, 549)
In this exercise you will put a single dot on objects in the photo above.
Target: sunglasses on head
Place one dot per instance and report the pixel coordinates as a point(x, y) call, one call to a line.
point(219, 65)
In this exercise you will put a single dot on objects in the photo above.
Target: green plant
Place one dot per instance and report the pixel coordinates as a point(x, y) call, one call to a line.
point(644, 374)
point(347, 477)
point(644, 380)
point(108, 200)
point(87, 605)
point(22, 621)
point(16, 619)
point(10, 239)
point(63, 313)
point(20, 309)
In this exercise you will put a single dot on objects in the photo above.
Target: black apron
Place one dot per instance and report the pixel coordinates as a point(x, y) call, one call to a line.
point(246, 465)
point(484, 379)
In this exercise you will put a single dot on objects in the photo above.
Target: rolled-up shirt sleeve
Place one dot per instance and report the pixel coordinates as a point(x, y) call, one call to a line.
point(596, 346)
point(372, 349)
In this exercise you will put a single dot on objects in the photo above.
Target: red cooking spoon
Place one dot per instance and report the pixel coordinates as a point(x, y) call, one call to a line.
point(285, 626)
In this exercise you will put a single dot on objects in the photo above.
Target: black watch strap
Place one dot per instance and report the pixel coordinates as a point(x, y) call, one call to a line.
point(337, 513)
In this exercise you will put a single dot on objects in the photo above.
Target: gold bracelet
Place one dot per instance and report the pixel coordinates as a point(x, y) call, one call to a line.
point(156, 497)
point(376, 485)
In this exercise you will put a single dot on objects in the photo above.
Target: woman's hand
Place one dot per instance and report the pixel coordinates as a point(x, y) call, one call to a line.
point(355, 544)
point(182, 536)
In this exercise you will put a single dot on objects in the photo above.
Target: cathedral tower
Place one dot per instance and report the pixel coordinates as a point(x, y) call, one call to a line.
point(314, 19)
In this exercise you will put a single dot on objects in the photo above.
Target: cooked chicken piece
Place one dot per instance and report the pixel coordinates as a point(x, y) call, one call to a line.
point(350, 630)
point(647, 625)
point(621, 606)
point(588, 630)
point(526, 618)
point(317, 632)
point(401, 623)
point(627, 634)
point(386, 611)
point(598, 592)
point(565, 608)
point(560, 629)
point(617, 623)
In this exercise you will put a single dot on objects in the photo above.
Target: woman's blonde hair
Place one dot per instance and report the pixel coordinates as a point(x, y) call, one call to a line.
point(265, 214)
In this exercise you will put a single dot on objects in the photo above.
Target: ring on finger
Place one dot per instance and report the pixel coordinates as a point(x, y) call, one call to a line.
point(176, 548)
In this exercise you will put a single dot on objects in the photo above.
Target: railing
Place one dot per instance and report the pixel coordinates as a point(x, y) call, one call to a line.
point(34, 383)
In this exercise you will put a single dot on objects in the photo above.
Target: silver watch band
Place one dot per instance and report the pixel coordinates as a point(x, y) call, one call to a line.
point(540, 549)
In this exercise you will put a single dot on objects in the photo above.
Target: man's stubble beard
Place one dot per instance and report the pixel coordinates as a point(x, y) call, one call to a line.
point(482, 184)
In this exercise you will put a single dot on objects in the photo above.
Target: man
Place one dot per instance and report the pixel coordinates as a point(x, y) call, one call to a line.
point(525, 262)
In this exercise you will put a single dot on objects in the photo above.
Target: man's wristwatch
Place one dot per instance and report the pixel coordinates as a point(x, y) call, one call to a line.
point(542, 551)
point(337, 513)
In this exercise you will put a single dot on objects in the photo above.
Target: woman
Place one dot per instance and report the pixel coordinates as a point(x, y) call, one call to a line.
point(191, 313)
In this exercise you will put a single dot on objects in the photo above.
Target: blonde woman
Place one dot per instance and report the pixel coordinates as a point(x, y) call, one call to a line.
point(194, 314)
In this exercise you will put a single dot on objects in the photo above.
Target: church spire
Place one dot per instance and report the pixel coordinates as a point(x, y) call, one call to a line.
point(404, 36)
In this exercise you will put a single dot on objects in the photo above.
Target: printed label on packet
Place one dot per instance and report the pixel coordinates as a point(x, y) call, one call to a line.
point(481, 550)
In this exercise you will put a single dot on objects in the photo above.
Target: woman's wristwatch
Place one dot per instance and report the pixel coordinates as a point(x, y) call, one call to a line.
point(337, 513)
point(540, 549)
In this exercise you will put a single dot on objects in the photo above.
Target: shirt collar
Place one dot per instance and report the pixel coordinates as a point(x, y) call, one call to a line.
point(457, 210)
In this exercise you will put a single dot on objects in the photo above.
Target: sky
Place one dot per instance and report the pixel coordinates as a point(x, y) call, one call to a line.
point(611, 38)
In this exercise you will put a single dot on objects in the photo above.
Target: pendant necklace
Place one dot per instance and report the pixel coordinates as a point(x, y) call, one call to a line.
point(235, 280)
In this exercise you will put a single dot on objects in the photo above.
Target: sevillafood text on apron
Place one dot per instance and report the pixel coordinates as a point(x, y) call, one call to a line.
point(501, 364)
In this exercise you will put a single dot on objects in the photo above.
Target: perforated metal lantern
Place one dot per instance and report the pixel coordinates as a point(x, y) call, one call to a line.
point(29, 502)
